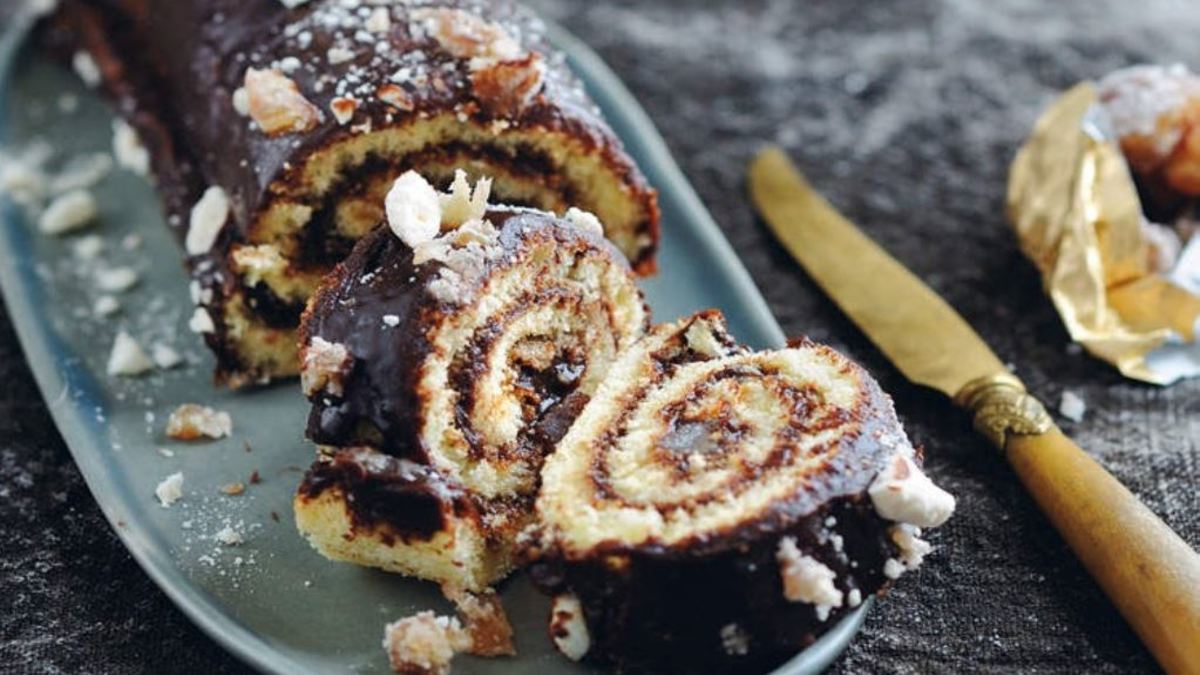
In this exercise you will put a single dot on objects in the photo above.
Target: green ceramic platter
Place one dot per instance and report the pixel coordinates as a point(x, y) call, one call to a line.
point(272, 601)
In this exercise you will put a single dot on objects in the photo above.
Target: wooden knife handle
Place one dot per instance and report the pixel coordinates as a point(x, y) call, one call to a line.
point(1148, 571)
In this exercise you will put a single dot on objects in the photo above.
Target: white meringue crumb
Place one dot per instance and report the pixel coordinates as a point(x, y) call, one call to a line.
point(391, 320)
point(127, 357)
point(903, 493)
point(170, 490)
point(86, 68)
point(106, 305)
point(414, 210)
point(229, 536)
point(69, 212)
point(116, 279)
point(585, 220)
point(1072, 406)
point(201, 322)
point(88, 247)
point(164, 356)
point(206, 220)
point(128, 148)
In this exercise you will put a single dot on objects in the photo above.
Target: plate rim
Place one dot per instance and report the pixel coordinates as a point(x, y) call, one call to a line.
point(40, 343)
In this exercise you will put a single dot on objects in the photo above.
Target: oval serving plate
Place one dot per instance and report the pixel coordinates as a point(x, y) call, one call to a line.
point(272, 601)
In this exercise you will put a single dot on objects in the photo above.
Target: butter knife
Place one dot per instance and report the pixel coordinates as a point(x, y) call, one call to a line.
point(1147, 570)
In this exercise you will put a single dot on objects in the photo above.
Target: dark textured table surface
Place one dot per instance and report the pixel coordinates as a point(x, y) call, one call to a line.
point(906, 115)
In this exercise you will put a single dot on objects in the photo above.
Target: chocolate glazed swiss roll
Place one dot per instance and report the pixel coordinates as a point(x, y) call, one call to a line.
point(715, 510)
point(443, 368)
point(276, 126)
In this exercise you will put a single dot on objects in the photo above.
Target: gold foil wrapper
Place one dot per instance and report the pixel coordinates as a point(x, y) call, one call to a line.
point(1077, 215)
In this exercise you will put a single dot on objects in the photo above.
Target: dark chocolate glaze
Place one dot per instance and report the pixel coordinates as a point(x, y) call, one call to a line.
point(382, 402)
point(654, 607)
point(173, 65)
point(664, 614)
point(396, 498)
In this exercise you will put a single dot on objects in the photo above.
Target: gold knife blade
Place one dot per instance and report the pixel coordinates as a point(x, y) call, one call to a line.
point(921, 334)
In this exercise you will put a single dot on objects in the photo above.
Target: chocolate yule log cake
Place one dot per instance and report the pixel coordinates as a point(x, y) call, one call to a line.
point(275, 128)
point(714, 509)
point(444, 359)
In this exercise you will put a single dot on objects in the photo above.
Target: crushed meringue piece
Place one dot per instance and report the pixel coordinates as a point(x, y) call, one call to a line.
point(292, 4)
point(853, 598)
point(1072, 406)
point(380, 21)
point(191, 421)
point(127, 357)
point(68, 213)
point(81, 172)
point(229, 536)
point(88, 247)
point(164, 356)
point(86, 68)
point(903, 493)
point(276, 104)
point(206, 220)
point(414, 209)
point(116, 279)
point(464, 204)
point(424, 643)
point(585, 220)
point(170, 489)
point(201, 322)
point(241, 101)
point(913, 549)
point(128, 148)
point(391, 320)
point(568, 628)
point(805, 579)
point(325, 366)
point(106, 305)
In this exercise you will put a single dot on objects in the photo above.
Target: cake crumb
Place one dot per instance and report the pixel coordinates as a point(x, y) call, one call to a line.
point(191, 421)
point(1072, 406)
point(127, 357)
point(424, 643)
point(170, 490)
point(233, 489)
point(486, 622)
point(68, 212)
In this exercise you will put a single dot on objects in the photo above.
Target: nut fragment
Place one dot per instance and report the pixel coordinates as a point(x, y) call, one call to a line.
point(325, 365)
point(191, 421)
point(343, 108)
point(395, 96)
point(424, 643)
point(508, 87)
point(467, 36)
point(276, 104)
point(233, 489)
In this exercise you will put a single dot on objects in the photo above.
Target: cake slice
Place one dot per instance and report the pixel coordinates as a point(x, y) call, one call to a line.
point(444, 358)
point(276, 127)
point(715, 509)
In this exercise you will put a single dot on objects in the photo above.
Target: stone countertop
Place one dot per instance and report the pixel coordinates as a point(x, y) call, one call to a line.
point(906, 115)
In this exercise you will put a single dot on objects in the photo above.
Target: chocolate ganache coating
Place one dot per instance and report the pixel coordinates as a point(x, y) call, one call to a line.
point(177, 67)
